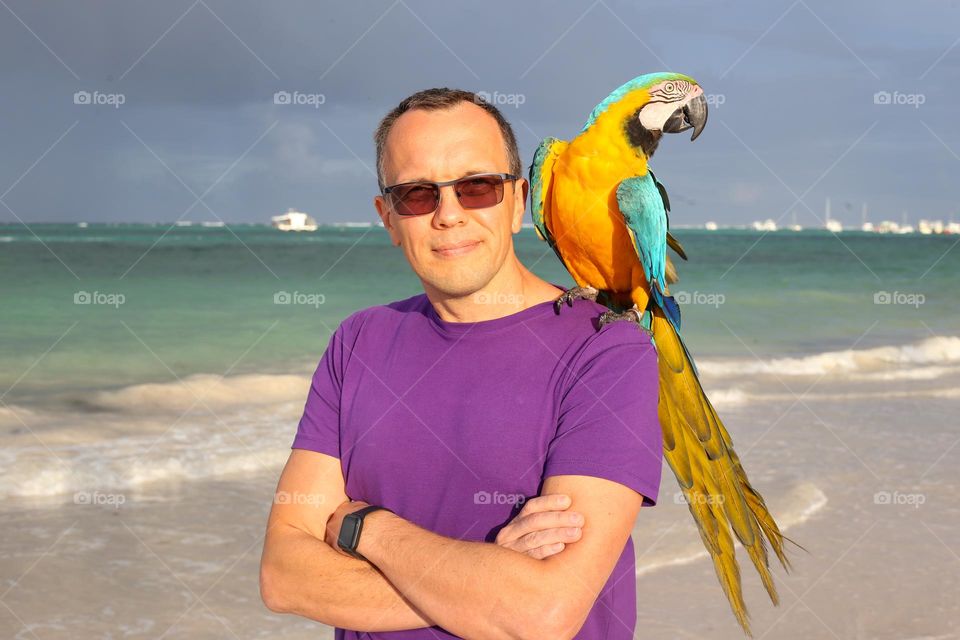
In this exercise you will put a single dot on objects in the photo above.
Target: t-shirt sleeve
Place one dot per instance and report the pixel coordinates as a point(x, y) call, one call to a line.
point(319, 427)
point(608, 425)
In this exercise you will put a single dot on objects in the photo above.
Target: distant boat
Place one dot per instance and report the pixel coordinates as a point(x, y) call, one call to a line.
point(831, 225)
point(710, 226)
point(212, 223)
point(183, 223)
point(906, 227)
point(865, 225)
point(767, 225)
point(294, 220)
point(794, 226)
point(82, 225)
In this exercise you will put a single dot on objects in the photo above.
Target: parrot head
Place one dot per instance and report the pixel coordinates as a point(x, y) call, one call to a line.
point(650, 105)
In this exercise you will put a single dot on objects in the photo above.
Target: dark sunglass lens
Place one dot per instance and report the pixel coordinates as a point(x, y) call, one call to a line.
point(414, 199)
point(480, 192)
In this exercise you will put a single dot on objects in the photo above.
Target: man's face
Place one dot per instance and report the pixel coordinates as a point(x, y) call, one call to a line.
point(446, 145)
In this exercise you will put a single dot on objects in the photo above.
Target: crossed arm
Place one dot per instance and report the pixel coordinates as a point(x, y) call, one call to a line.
point(416, 578)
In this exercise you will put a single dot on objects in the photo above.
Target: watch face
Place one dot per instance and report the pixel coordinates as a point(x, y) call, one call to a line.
point(349, 533)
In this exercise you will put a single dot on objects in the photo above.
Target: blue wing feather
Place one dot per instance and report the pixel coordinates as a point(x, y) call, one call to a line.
point(537, 205)
point(644, 212)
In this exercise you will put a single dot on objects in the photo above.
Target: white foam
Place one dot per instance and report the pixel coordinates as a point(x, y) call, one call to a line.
point(947, 392)
point(803, 502)
point(129, 465)
point(940, 350)
point(724, 398)
point(910, 373)
point(204, 426)
point(205, 391)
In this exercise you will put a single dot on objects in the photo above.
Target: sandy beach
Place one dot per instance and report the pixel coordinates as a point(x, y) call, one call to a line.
point(859, 474)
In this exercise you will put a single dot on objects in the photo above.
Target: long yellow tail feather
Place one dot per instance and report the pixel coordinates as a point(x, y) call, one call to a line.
point(700, 451)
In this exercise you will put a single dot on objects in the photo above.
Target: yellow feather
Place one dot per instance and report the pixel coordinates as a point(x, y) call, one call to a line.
point(719, 496)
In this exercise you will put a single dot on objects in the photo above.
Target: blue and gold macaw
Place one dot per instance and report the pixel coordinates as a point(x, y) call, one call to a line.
point(603, 212)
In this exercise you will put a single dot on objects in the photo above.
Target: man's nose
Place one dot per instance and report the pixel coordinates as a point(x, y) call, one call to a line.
point(449, 212)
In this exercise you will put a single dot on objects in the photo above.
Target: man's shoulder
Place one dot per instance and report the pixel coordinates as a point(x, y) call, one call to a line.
point(580, 325)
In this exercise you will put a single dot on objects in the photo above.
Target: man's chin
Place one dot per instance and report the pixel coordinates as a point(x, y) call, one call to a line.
point(465, 286)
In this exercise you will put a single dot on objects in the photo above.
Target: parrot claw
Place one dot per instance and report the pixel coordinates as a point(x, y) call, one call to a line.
point(630, 315)
point(576, 293)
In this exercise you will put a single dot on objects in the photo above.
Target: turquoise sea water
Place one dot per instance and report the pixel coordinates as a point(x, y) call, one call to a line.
point(831, 398)
point(176, 301)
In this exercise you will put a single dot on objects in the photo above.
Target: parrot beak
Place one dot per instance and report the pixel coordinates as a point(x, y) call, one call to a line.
point(692, 115)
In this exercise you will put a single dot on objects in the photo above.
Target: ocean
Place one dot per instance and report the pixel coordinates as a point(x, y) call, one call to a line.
point(153, 376)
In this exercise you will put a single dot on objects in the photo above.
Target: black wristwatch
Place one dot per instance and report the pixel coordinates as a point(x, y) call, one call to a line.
point(350, 529)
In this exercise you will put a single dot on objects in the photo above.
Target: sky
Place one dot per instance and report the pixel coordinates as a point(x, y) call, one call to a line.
point(152, 112)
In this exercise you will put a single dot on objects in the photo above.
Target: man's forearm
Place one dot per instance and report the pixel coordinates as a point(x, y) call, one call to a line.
point(472, 589)
point(303, 575)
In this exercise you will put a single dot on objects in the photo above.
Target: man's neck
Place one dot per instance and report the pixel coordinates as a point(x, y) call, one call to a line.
point(512, 290)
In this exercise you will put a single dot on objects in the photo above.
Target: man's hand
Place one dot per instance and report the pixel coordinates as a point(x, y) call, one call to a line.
point(543, 528)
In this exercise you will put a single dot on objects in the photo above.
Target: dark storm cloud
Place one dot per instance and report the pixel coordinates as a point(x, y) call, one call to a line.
point(197, 79)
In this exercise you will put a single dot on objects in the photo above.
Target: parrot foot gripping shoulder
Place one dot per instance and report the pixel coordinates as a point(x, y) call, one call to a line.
point(576, 293)
point(630, 315)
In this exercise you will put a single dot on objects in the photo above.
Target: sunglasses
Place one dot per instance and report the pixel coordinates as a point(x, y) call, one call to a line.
point(478, 191)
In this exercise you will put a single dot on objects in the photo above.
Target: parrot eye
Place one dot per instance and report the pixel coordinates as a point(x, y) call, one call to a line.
point(668, 87)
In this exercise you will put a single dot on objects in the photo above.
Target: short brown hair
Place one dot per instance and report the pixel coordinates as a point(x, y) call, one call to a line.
point(444, 98)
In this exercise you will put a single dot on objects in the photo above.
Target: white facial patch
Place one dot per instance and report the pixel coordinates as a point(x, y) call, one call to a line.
point(664, 100)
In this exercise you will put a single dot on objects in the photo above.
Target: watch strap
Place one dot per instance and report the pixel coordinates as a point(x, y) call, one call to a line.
point(355, 520)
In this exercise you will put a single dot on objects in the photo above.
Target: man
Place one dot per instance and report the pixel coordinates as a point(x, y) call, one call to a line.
point(453, 408)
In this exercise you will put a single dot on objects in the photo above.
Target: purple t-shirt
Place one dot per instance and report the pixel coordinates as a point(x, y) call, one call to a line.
point(451, 425)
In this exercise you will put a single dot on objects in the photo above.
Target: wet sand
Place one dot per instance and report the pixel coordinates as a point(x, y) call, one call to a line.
point(863, 475)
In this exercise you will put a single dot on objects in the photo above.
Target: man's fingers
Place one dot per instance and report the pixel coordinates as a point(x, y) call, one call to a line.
point(538, 523)
point(546, 520)
point(548, 502)
point(550, 536)
point(546, 551)
point(545, 539)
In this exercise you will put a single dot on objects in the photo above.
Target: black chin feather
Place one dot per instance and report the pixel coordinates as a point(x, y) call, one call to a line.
point(640, 137)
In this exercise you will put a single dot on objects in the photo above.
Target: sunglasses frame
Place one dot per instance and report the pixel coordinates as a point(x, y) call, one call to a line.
point(504, 177)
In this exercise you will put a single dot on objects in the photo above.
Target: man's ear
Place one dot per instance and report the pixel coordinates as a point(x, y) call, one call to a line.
point(384, 212)
point(521, 206)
